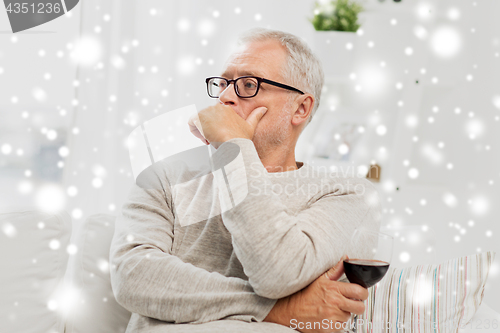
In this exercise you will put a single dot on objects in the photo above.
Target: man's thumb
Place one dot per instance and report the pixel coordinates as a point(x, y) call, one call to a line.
point(254, 117)
point(336, 271)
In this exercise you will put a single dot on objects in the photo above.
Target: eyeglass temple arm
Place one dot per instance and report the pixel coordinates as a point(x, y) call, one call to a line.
point(281, 85)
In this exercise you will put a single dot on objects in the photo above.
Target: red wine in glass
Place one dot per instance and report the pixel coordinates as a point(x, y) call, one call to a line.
point(371, 253)
point(365, 272)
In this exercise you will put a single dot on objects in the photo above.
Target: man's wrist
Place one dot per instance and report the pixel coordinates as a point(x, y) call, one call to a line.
point(279, 314)
point(228, 137)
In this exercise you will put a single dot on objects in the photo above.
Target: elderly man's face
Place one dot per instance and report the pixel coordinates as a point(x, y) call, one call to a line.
point(262, 59)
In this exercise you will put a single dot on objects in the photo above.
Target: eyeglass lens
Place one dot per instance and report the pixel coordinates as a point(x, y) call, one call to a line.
point(245, 87)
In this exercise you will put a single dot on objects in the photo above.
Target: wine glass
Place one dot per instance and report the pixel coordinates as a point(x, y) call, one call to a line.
point(369, 255)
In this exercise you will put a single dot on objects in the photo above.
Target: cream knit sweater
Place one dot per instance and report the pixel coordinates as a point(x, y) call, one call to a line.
point(185, 258)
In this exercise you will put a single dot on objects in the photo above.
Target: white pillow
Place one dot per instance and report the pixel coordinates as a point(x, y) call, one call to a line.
point(33, 260)
point(94, 308)
point(486, 320)
point(423, 297)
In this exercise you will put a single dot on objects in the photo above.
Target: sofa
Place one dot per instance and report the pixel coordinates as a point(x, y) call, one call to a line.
point(55, 276)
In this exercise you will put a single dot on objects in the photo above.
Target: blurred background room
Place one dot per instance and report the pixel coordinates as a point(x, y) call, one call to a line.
point(411, 99)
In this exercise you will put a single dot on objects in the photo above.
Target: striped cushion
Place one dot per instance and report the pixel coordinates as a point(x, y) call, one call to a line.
point(427, 298)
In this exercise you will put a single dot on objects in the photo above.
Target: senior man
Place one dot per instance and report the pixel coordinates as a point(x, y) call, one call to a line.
point(271, 263)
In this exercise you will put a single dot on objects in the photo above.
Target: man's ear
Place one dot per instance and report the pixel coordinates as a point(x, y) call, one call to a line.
point(304, 109)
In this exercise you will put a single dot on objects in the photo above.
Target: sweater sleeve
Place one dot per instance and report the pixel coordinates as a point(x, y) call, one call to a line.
point(281, 252)
point(149, 280)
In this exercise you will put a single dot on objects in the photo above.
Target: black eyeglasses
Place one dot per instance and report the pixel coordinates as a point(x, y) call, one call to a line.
point(245, 86)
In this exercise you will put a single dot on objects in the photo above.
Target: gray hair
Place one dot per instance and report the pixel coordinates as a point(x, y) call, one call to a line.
point(303, 69)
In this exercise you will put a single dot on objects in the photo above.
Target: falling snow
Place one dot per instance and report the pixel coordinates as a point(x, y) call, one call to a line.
point(426, 107)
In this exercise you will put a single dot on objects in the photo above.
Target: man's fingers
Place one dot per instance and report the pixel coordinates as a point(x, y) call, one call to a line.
point(353, 306)
point(336, 271)
point(196, 128)
point(354, 291)
point(346, 315)
point(254, 117)
point(341, 317)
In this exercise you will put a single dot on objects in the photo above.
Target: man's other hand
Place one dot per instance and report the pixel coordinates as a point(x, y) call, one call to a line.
point(219, 123)
point(325, 300)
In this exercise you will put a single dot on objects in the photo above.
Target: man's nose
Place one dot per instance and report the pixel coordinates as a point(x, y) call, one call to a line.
point(228, 96)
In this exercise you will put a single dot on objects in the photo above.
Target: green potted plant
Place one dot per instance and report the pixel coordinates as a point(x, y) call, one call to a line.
point(335, 23)
point(337, 15)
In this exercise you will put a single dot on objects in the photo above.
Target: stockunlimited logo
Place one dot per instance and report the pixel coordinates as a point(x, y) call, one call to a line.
point(25, 15)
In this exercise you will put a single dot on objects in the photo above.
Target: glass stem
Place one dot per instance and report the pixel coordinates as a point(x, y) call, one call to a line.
point(352, 324)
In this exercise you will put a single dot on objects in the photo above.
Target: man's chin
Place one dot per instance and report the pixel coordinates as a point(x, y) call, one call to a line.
point(257, 142)
point(264, 146)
